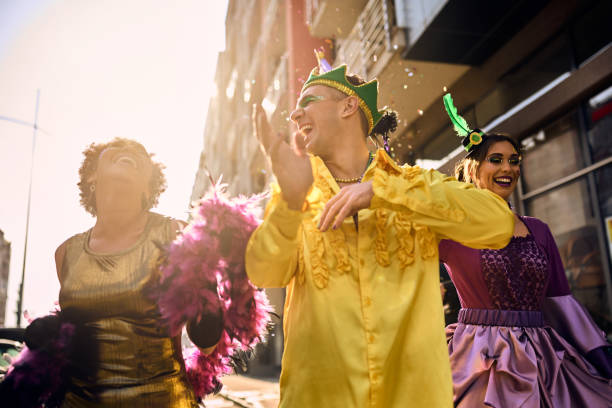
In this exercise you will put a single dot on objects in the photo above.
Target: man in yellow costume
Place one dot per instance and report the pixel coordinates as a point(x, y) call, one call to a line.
point(354, 238)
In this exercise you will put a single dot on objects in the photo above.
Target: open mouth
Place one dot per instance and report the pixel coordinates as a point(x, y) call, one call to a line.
point(127, 161)
point(503, 181)
point(305, 130)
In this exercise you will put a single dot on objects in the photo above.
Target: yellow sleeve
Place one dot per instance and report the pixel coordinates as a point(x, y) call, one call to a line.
point(272, 251)
point(453, 210)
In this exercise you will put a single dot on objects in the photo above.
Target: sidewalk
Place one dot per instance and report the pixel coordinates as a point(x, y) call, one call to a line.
point(245, 392)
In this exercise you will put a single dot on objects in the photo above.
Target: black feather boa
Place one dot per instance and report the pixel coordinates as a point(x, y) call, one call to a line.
point(41, 374)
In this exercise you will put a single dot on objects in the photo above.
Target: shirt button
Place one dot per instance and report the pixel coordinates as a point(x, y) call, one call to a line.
point(361, 262)
point(368, 301)
point(371, 338)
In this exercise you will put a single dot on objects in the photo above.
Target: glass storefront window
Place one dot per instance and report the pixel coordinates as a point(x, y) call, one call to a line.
point(599, 112)
point(554, 207)
point(603, 177)
point(552, 153)
point(567, 212)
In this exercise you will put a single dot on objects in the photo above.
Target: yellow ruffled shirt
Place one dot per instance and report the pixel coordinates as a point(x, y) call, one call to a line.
point(363, 318)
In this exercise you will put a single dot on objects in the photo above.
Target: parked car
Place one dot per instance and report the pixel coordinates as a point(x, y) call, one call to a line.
point(11, 343)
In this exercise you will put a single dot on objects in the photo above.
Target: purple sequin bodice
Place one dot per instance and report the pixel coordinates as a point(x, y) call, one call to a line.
point(516, 276)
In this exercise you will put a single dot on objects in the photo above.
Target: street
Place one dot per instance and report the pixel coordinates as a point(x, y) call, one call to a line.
point(245, 392)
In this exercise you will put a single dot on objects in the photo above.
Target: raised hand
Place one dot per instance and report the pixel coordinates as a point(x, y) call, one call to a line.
point(291, 166)
point(346, 203)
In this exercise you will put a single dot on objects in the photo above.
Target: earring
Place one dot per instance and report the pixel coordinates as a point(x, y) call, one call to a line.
point(92, 199)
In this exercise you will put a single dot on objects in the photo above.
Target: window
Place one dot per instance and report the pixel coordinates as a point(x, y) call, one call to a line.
point(551, 153)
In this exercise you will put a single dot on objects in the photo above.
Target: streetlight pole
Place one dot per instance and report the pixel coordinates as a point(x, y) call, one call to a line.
point(35, 128)
point(27, 228)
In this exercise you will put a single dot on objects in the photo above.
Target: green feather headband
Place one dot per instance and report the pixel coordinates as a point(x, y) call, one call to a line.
point(366, 93)
point(471, 137)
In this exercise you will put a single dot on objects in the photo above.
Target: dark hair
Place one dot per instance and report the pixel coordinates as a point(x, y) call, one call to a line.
point(157, 184)
point(479, 154)
point(386, 125)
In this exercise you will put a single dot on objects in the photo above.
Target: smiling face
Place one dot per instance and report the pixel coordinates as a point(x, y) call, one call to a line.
point(120, 163)
point(500, 169)
point(127, 163)
point(317, 117)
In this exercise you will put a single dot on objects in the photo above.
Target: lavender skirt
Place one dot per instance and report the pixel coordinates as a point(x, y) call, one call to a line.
point(506, 358)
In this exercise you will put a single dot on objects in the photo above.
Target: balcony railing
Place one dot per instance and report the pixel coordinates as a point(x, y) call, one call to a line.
point(372, 39)
point(332, 18)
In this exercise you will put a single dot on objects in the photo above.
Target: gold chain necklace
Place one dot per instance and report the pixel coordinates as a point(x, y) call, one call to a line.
point(347, 181)
point(355, 179)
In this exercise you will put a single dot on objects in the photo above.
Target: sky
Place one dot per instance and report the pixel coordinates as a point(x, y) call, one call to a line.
point(141, 69)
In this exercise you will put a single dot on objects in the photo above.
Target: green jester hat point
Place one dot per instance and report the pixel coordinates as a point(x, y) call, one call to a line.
point(367, 93)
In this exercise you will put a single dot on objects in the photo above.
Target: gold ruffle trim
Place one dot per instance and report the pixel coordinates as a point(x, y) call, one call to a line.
point(405, 238)
point(316, 247)
point(407, 233)
point(382, 181)
point(338, 243)
point(380, 242)
point(410, 172)
point(427, 241)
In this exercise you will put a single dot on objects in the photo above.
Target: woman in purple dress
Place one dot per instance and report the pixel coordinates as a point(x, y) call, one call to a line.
point(521, 339)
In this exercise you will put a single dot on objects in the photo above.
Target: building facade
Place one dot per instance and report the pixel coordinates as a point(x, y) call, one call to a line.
point(553, 93)
point(269, 52)
point(540, 70)
point(5, 261)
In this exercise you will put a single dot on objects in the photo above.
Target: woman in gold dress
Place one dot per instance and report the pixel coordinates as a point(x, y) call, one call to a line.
point(104, 275)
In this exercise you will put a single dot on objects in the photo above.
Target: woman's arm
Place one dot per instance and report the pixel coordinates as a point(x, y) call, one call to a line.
point(60, 254)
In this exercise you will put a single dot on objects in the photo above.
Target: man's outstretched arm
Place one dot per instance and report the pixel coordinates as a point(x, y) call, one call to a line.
point(271, 255)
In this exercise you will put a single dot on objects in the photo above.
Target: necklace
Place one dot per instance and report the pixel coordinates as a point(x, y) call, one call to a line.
point(356, 179)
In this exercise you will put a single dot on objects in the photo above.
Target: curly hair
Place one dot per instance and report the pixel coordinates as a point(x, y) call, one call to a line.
point(157, 184)
point(474, 159)
point(387, 124)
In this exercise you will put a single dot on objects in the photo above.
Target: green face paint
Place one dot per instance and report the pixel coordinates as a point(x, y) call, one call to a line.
point(308, 99)
point(498, 160)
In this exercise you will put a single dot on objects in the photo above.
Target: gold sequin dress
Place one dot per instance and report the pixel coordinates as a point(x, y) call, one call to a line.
point(140, 366)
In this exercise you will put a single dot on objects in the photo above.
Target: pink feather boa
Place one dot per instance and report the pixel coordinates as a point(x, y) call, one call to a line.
point(205, 268)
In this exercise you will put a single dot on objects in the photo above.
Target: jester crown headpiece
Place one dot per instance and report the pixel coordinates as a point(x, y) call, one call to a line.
point(366, 93)
point(471, 137)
